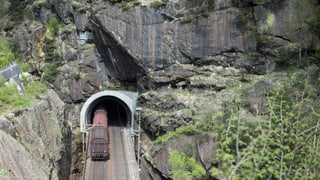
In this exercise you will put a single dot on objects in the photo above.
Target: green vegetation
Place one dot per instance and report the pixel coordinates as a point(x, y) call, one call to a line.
point(262, 2)
point(17, 9)
point(187, 19)
point(128, 5)
point(169, 74)
point(6, 55)
point(189, 129)
point(193, 13)
point(39, 3)
point(3, 9)
point(24, 145)
point(313, 20)
point(8, 26)
point(184, 167)
point(50, 72)
point(282, 146)
point(203, 10)
point(3, 174)
point(53, 26)
point(52, 52)
point(11, 99)
point(9, 54)
point(64, 131)
point(25, 67)
point(157, 4)
point(314, 56)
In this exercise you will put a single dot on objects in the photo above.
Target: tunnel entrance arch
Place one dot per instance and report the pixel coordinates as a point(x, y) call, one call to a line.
point(120, 105)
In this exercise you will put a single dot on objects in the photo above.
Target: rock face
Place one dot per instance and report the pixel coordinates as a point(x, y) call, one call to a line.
point(39, 146)
point(161, 38)
point(18, 163)
point(185, 57)
point(165, 114)
point(226, 33)
point(202, 148)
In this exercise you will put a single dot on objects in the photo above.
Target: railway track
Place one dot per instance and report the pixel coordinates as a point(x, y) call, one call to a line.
point(120, 165)
point(99, 170)
point(116, 167)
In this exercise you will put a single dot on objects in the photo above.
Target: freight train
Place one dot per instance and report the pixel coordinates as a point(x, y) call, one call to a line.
point(99, 136)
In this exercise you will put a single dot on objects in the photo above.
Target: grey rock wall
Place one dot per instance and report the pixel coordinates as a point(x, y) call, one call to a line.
point(38, 150)
point(158, 41)
point(16, 162)
point(229, 33)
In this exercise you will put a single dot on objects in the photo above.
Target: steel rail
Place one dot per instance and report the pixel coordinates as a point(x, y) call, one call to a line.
point(125, 159)
point(114, 153)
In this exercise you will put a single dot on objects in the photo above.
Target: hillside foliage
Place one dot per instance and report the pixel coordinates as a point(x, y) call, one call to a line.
point(6, 55)
point(10, 98)
point(285, 145)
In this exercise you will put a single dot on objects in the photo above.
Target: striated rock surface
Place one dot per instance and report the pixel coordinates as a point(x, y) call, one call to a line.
point(40, 147)
point(187, 58)
point(16, 161)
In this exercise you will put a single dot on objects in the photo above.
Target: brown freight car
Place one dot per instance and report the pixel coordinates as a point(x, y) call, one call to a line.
point(99, 138)
point(100, 117)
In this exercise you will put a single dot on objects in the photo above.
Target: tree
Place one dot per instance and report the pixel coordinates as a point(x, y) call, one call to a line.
point(284, 145)
point(6, 55)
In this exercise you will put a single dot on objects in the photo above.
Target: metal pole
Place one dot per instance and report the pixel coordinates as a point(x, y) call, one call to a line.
point(83, 143)
point(139, 132)
point(132, 122)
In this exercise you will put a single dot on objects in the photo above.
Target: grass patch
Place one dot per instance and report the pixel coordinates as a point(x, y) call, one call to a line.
point(128, 5)
point(39, 4)
point(6, 55)
point(11, 99)
point(187, 19)
point(157, 4)
point(189, 129)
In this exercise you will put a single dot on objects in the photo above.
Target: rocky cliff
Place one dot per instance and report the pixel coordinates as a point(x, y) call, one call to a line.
point(186, 58)
point(36, 145)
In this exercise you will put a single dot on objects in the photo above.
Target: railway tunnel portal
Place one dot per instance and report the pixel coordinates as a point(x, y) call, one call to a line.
point(120, 106)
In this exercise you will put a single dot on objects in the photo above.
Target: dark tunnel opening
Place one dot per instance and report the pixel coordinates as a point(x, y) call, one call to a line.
point(118, 112)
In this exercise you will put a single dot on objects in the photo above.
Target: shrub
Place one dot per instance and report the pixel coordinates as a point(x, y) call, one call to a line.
point(314, 56)
point(157, 4)
point(6, 55)
point(3, 174)
point(25, 67)
point(3, 9)
point(183, 167)
point(38, 4)
point(51, 51)
point(127, 5)
point(53, 25)
point(17, 8)
point(278, 146)
point(50, 72)
point(187, 19)
point(202, 9)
